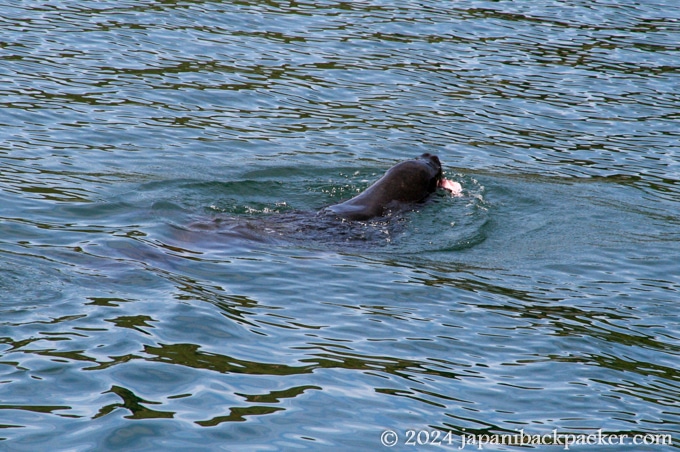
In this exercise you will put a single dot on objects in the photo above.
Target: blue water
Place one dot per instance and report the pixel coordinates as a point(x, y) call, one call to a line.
point(158, 292)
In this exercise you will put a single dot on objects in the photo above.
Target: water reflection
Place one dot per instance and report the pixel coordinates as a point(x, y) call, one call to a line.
point(542, 299)
point(136, 406)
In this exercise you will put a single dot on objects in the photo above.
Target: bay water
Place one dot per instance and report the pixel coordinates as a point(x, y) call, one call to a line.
point(151, 300)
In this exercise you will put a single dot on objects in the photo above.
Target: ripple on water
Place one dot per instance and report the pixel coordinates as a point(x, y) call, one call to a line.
point(542, 299)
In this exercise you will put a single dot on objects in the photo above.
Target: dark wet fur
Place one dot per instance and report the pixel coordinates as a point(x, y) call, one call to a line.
point(375, 215)
point(402, 186)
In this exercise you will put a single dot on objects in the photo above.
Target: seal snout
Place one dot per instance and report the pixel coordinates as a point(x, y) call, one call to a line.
point(453, 187)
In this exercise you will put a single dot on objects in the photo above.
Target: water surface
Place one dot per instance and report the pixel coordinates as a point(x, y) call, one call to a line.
point(150, 152)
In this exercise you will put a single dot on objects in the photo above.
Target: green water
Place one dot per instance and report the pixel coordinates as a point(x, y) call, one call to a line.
point(155, 295)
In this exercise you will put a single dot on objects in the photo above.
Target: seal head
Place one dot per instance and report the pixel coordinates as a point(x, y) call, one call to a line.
point(403, 185)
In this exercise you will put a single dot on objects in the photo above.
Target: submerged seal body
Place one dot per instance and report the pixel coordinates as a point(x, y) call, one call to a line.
point(402, 185)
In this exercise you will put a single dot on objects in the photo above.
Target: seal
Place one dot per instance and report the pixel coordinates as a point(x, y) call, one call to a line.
point(402, 186)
